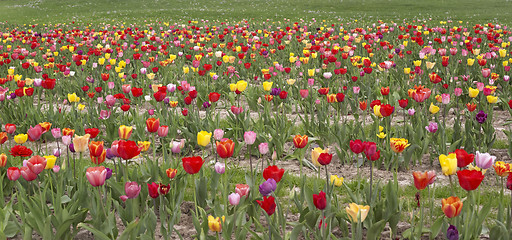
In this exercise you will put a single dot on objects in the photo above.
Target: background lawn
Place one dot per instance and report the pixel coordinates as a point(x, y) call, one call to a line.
point(54, 11)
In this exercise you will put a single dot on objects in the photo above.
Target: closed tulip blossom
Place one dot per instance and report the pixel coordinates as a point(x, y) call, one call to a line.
point(432, 127)
point(13, 173)
point(263, 148)
point(484, 160)
point(96, 175)
point(481, 117)
point(220, 168)
point(357, 213)
point(132, 190)
point(218, 134)
point(448, 164)
point(268, 187)
point(203, 138)
point(242, 189)
point(451, 206)
point(234, 199)
point(249, 137)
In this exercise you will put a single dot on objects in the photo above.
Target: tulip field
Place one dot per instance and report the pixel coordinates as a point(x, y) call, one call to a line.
point(336, 124)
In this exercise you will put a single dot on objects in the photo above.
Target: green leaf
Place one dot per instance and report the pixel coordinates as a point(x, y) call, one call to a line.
point(130, 229)
point(65, 199)
point(374, 232)
point(436, 227)
point(97, 233)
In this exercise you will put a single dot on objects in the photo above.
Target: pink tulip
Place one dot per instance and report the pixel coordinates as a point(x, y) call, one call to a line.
point(163, 131)
point(34, 133)
point(304, 93)
point(13, 173)
point(234, 199)
point(218, 134)
point(126, 88)
point(96, 175)
point(104, 114)
point(66, 140)
point(249, 137)
point(132, 189)
point(242, 189)
point(36, 164)
point(56, 133)
point(263, 148)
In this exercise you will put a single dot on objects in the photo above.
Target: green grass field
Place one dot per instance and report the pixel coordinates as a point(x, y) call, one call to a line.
point(54, 11)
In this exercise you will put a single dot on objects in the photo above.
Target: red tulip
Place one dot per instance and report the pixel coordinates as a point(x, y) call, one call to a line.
point(96, 148)
point(153, 189)
point(273, 172)
point(13, 173)
point(283, 94)
point(192, 165)
point(136, 92)
point(324, 158)
point(214, 97)
point(28, 174)
point(225, 148)
point(10, 128)
point(375, 102)
point(300, 141)
point(164, 189)
point(268, 204)
point(340, 97)
point(319, 200)
point(422, 180)
point(34, 133)
point(152, 125)
point(92, 131)
point(403, 103)
point(3, 137)
point(356, 146)
point(386, 110)
point(470, 179)
point(463, 158)
point(128, 149)
point(384, 91)
point(20, 151)
point(323, 91)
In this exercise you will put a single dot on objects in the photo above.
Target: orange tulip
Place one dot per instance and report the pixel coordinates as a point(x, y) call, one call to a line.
point(451, 206)
point(99, 159)
point(68, 132)
point(300, 141)
point(96, 148)
point(46, 126)
point(171, 172)
point(3, 160)
point(422, 180)
point(3, 137)
point(226, 148)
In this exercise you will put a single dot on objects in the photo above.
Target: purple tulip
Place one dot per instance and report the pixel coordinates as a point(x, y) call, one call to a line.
point(452, 233)
point(481, 117)
point(109, 173)
point(267, 187)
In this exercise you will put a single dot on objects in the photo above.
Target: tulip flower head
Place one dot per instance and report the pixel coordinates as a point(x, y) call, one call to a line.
point(268, 187)
point(398, 145)
point(300, 141)
point(319, 200)
point(268, 204)
point(357, 213)
point(96, 175)
point(336, 181)
point(422, 180)
point(203, 138)
point(192, 165)
point(451, 206)
point(484, 160)
point(234, 199)
point(273, 172)
point(215, 224)
point(125, 132)
point(448, 163)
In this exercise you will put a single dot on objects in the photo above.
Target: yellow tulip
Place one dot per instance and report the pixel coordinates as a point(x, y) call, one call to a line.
point(267, 86)
point(73, 98)
point(448, 164)
point(417, 63)
point(503, 53)
point(381, 128)
point(337, 181)
point(203, 138)
point(21, 138)
point(470, 61)
point(381, 135)
point(433, 108)
point(473, 92)
point(398, 145)
point(311, 72)
point(357, 212)
point(315, 153)
point(10, 71)
point(290, 81)
point(81, 143)
point(101, 61)
point(430, 65)
point(150, 76)
point(241, 85)
point(81, 107)
point(125, 131)
point(492, 99)
point(407, 70)
point(376, 110)
point(143, 145)
point(215, 224)
point(232, 87)
point(186, 70)
point(50, 161)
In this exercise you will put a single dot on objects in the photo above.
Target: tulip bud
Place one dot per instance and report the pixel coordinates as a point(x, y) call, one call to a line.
point(220, 168)
point(218, 134)
point(263, 148)
point(234, 199)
